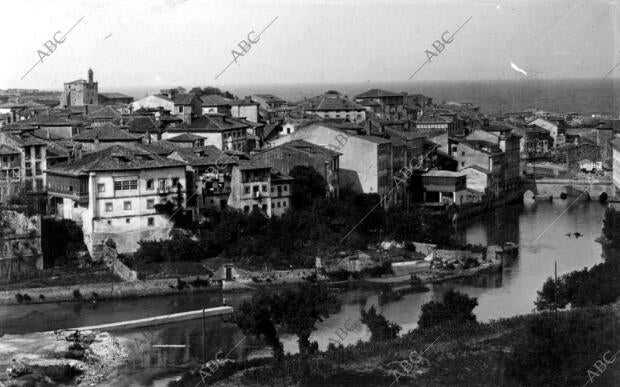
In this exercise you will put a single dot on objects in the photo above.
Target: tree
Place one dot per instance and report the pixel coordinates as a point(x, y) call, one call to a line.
point(257, 318)
point(456, 307)
point(611, 226)
point(300, 310)
point(307, 187)
point(296, 310)
point(210, 90)
point(380, 328)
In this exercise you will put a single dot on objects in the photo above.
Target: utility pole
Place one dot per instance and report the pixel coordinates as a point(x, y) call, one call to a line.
point(555, 289)
point(204, 349)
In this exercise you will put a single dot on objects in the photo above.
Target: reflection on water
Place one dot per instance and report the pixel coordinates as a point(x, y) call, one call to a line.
point(504, 294)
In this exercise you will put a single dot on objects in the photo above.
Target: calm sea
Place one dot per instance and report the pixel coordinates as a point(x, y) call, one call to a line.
point(585, 96)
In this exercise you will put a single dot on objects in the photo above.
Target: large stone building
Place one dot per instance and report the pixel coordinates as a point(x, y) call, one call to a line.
point(112, 194)
point(80, 92)
point(365, 165)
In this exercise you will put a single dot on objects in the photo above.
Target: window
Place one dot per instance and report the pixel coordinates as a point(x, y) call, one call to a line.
point(273, 205)
point(265, 207)
point(37, 152)
point(122, 185)
point(278, 204)
point(180, 109)
point(39, 184)
point(462, 163)
point(283, 204)
point(150, 221)
point(247, 190)
point(127, 220)
point(255, 188)
point(161, 184)
point(246, 208)
point(37, 167)
point(264, 187)
point(100, 187)
point(150, 203)
point(463, 153)
point(109, 207)
point(175, 181)
point(150, 184)
point(28, 169)
point(27, 152)
point(5, 160)
point(273, 189)
point(127, 205)
point(285, 188)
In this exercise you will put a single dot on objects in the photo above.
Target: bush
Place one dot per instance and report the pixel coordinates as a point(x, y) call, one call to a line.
point(455, 307)
point(19, 298)
point(380, 328)
point(560, 352)
point(27, 298)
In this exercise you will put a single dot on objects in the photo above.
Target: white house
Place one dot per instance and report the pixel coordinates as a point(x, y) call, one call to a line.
point(113, 194)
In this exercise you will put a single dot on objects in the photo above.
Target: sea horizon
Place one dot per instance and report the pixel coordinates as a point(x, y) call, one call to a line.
point(584, 96)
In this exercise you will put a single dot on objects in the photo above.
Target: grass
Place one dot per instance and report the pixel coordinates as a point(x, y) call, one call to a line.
point(458, 354)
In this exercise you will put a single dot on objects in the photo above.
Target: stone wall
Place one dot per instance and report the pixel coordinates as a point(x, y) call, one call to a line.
point(20, 244)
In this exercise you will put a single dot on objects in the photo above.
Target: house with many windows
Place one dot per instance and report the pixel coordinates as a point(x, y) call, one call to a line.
point(223, 132)
point(10, 175)
point(113, 194)
point(33, 160)
point(333, 105)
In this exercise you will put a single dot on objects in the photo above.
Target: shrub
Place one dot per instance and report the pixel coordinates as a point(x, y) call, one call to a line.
point(27, 298)
point(77, 294)
point(380, 328)
point(456, 307)
point(560, 351)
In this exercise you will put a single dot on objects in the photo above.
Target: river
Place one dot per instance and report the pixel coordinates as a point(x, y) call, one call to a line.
point(539, 229)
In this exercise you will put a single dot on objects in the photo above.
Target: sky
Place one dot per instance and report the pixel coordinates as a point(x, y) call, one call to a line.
point(190, 42)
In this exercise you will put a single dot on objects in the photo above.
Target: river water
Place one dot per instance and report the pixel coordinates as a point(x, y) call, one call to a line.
point(539, 229)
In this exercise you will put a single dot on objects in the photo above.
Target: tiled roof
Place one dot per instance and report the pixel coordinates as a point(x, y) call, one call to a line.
point(430, 119)
point(45, 120)
point(210, 123)
point(115, 95)
point(105, 133)
point(378, 93)
point(307, 147)
point(184, 99)
point(206, 155)
point(215, 100)
point(10, 105)
point(441, 173)
point(162, 148)
point(115, 158)
point(252, 164)
point(7, 150)
point(477, 168)
point(142, 124)
point(243, 102)
point(483, 146)
point(330, 101)
point(185, 137)
point(24, 139)
point(106, 112)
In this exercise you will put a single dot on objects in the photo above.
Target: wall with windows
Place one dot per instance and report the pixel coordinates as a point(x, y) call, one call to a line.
point(122, 206)
point(250, 189)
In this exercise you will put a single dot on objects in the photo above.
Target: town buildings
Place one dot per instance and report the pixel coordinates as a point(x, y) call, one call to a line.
point(385, 104)
point(113, 194)
point(10, 172)
point(114, 99)
point(80, 92)
point(333, 105)
point(556, 129)
point(283, 158)
point(32, 159)
point(365, 163)
point(441, 187)
point(225, 133)
point(616, 164)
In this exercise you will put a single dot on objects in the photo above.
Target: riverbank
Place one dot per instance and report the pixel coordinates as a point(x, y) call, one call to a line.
point(502, 352)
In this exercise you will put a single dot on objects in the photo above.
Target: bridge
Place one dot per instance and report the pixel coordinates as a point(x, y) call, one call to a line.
point(556, 187)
